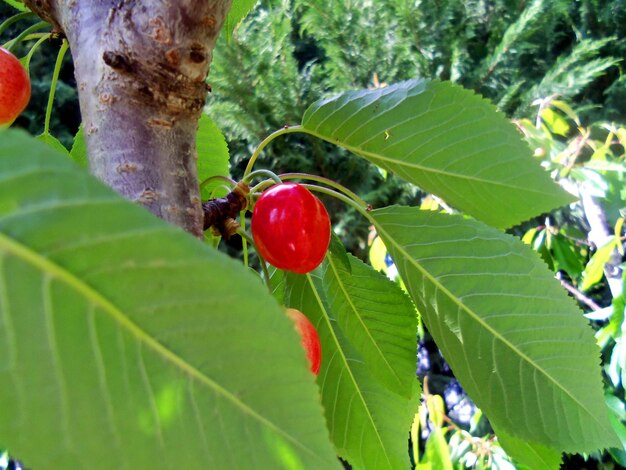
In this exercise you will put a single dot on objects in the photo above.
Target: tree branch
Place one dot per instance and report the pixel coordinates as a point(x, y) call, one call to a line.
point(140, 68)
point(599, 235)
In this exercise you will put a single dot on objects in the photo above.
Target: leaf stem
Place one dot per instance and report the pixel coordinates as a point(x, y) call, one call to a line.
point(222, 187)
point(250, 176)
point(231, 182)
point(266, 141)
point(53, 84)
point(261, 186)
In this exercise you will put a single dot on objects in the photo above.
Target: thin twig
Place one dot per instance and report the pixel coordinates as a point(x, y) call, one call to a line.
point(579, 295)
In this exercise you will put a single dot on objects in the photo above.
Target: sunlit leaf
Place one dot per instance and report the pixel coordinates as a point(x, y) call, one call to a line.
point(595, 267)
point(437, 452)
point(512, 336)
point(446, 140)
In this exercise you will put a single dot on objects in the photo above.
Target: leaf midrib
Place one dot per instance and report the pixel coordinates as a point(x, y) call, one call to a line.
point(347, 364)
point(46, 265)
point(425, 169)
point(477, 318)
point(356, 314)
point(429, 170)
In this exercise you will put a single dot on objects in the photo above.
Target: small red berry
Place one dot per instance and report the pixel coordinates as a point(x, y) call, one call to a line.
point(291, 228)
point(310, 338)
point(14, 87)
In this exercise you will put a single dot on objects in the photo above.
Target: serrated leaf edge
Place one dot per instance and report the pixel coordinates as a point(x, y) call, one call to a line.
point(347, 365)
point(477, 318)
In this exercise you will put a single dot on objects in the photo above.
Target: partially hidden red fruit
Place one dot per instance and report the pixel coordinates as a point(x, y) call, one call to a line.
point(309, 336)
point(291, 228)
point(14, 87)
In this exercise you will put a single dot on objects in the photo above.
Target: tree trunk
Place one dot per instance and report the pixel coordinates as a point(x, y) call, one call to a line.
point(140, 68)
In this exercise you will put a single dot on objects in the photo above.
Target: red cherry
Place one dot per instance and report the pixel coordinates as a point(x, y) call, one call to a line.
point(14, 87)
point(309, 337)
point(291, 228)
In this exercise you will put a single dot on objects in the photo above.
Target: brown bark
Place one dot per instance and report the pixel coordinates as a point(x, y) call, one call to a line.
point(141, 67)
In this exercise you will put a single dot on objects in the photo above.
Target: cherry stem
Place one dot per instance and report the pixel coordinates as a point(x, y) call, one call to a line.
point(250, 176)
point(265, 142)
point(362, 209)
point(42, 37)
point(223, 187)
point(13, 42)
point(266, 273)
point(326, 181)
point(53, 84)
point(244, 244)
point(231, 182)
point(259, 188)
point(14, 19)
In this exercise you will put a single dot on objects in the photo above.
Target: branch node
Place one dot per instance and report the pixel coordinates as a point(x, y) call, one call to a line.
point(118, 61)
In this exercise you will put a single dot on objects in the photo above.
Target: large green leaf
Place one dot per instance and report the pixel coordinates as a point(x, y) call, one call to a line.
point(369, 424)
point(126, 343)
point(513, 338)
point(378, 319)
point(445, 139)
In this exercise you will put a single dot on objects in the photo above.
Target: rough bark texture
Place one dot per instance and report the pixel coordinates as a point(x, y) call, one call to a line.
point(140, 68)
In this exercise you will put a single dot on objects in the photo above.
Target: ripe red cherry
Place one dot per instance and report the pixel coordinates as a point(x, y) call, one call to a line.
point(14, 87)
point(291, 228)
point(310, 338)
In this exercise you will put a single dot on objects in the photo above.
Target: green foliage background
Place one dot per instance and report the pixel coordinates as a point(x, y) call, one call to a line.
point(519, 54)
point(289, 53)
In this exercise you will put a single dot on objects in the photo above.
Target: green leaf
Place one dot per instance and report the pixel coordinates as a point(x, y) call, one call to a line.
point(437, 452)
point(377, 318)
point(18, 5)
point(510, 333)
point(565, 255)
point(529, 455)
point(238, 11)
point(79, 148)
point(338, 251)
point(445, 139)
point(377, 255)
point(53, 142)
point(368, 423)
point(126, 343)
point(555, 122)
point(595, 267)
point(212, 155)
